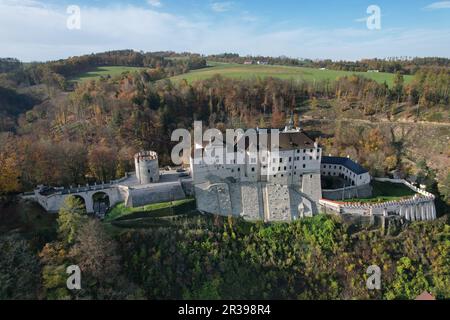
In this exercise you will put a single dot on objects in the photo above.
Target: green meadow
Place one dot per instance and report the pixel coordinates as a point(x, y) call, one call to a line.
point(240, 71)
point(104, 72)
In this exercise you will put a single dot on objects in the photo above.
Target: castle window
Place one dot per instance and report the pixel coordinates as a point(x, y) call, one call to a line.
point(298, 151)
point(311, 150)
point(304, 158)
point(253, 169)
point(310, 176)
point(295, 173)
point(281, 160)
point(239, 169)
point(279, 168)
point(284, 168)
point(290, 159)
point(304, 150)
point(282, 175)
point(310, 158)
point(148, 170)
point(317, 157)
point(304, 166)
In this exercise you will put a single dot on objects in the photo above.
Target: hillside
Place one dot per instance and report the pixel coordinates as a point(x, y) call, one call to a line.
point(241, 71)
point(98, 72)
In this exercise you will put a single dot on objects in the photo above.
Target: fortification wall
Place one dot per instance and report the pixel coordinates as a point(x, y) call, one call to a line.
point(251, 200)
point(236, 199)
point(53, 203)
point(155, 194)
point(147, 167)
point(213, 198)
point(278, 202)
point(364, 191)
point(311, 185)
point(417, 208)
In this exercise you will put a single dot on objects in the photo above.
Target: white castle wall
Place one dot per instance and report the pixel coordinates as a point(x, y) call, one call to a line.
point(54, 202)
point(311, 186)
point(279, 203)
point(336, 170)
point(251, 198)
point(147, 167)
point(362, 191)
point(253, 201)
point(420, 207)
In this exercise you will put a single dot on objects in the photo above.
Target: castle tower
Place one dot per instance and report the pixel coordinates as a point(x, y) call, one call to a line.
point(147, 167)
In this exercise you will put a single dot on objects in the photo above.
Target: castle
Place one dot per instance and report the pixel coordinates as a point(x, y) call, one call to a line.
point(271, 184)
point(257, 182)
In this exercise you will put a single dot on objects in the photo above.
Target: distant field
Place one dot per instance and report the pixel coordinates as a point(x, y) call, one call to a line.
point(241, 71)
point(104, 72)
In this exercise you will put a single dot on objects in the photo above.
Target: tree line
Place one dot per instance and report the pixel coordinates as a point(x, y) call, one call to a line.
point(404, 65)
point(92, 133)
point(214, 257)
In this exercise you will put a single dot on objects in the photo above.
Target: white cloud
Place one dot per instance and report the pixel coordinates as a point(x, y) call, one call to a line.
point(34, 32)
point(155, 3)
point(438, 5)
point(221, 6)
point(21, 3)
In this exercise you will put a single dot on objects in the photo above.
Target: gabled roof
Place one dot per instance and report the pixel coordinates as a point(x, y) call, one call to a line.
point(288, 140)
point(346, 162)
point(425, 296)
point(295, 139)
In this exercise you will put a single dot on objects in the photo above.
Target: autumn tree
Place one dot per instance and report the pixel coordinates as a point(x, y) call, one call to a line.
point(20, 269)
point(103, 162)
point(9, 173)
point(71, 216)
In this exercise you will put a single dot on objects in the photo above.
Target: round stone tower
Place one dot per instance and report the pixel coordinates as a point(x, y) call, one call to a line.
point(147, 167)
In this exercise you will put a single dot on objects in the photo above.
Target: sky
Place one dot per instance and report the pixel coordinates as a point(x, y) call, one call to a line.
point(35, 30)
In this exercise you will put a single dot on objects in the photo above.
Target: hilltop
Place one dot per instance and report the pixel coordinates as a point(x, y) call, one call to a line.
point(242, 71)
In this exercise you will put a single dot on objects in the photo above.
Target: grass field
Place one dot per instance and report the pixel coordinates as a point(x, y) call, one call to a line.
point(120, 210)
point(241, 71)
point(104, 72)
point(386, 191)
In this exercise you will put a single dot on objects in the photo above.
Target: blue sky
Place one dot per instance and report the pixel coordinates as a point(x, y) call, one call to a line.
point(36, 30)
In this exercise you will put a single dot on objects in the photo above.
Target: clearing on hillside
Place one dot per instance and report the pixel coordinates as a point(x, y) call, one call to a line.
point(104, 72)
point(240, 71)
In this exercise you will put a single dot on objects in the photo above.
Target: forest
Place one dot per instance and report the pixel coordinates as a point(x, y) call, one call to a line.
point(60, 133)
point(214, 257)
point(55, 136)
point(404, 65)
